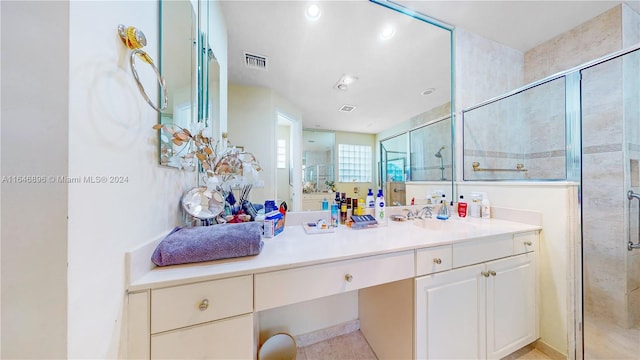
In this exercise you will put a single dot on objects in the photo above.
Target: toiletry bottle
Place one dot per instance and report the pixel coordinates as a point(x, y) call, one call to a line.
point(361, 206)
point(370, 200)
point(337, 199)
point(443, 213)
point(462, 207)
point(335, 215)
point(474, 205)
point(379, 208)
point(325, 204)
point(349, 208)
point(486, 207)
point(343, 212)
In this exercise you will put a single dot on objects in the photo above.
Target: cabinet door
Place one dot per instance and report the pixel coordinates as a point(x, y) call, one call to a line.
point(450, 314)
point(511, 305)
point(223, 339)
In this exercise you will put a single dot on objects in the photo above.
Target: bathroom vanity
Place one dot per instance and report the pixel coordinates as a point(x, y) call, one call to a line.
point(428, 289)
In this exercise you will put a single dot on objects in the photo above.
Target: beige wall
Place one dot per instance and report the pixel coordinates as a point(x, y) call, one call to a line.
point(590, 40)
point(253, 123)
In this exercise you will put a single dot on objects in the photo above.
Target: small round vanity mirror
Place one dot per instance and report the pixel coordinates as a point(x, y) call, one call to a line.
point(202, 206)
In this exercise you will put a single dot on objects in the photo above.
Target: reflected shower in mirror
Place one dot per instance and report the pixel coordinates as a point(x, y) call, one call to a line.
point(431, 156)
point(177, 59)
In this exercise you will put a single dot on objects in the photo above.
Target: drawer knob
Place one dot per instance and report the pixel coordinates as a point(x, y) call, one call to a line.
point(204, 304)
point(485, 273)
point(492, 273)
point(348, 278)
point(528, 243)
point(437, 261)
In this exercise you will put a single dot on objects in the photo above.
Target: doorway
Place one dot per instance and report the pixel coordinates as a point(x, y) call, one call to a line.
point(288, 159)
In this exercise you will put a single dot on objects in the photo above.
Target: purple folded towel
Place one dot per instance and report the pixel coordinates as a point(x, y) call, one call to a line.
point(205, 243)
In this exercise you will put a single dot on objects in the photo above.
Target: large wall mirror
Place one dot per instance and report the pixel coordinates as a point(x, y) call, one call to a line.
point(192, 74)
point(342, 66)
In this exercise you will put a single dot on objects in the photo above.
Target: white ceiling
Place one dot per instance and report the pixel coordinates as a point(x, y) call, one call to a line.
point(307, 58)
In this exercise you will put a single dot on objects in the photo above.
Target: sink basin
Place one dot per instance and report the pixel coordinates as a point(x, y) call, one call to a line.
point(443, 225)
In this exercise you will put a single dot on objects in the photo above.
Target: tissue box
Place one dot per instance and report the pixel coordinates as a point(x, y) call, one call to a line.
point(273, 224)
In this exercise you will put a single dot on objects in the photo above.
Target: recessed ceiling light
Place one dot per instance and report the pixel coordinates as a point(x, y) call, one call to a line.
point(313, 12)
point(388, 32)
point(429, 91)
point(344, 82)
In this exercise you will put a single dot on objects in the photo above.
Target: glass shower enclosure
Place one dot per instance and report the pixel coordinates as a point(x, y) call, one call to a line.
point(583, 126)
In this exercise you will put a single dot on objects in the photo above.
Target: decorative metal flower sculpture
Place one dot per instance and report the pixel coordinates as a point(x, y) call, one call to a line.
point(218, 158)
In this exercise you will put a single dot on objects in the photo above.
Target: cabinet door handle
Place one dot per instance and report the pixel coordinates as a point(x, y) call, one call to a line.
point(348, 277)
point(492, 273)
point(204, 304)
point(437, 261)
point(485, 273)
point(528, 243)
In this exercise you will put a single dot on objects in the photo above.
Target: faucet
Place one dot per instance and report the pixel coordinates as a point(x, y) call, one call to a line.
point(425, 212)
point(410, 214)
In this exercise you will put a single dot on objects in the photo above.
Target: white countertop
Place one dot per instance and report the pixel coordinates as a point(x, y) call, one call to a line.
point(294, 248)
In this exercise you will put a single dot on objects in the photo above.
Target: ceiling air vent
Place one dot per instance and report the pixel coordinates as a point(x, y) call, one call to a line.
point(347, 108)
point(255, 61)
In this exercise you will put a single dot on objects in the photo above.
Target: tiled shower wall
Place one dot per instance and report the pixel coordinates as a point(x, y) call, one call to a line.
point(609, 106)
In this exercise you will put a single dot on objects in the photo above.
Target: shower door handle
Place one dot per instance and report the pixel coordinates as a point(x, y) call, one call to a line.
point(631, 195)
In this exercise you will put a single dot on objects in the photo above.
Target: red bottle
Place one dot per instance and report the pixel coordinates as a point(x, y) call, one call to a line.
point(462, 207)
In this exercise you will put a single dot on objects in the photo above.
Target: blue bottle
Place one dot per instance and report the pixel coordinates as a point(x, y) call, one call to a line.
point(335, 215)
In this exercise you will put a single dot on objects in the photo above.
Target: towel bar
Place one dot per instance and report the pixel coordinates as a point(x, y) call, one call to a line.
point(476, 167)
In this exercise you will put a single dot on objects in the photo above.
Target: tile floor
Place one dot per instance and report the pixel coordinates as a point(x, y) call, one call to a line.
point(604, 340)
point(353, 346)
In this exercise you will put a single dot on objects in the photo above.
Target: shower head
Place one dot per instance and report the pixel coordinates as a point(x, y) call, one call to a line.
point(439, 154)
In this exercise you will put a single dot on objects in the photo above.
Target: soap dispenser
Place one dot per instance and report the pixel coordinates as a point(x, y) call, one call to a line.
point(443, 213)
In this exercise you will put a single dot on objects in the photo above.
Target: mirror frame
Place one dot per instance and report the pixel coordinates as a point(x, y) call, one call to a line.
point(165, 47)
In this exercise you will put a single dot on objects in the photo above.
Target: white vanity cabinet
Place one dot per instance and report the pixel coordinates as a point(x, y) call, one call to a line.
point(482, 310)
point(420, 297)
point(206, 320)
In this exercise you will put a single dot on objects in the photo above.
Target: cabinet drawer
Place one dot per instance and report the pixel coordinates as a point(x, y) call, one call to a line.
point(185, 305)
point(525, 242)
point(435, 259)
point(480, 250)
point(290, 286)
point(223, 339)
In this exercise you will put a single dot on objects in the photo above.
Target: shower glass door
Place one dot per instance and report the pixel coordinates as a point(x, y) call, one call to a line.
point(610, 106)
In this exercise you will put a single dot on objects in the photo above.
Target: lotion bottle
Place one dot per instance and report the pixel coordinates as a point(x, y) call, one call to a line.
point(474, 205)
point(370, 201)
point(486, 207)
point(379, 208)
